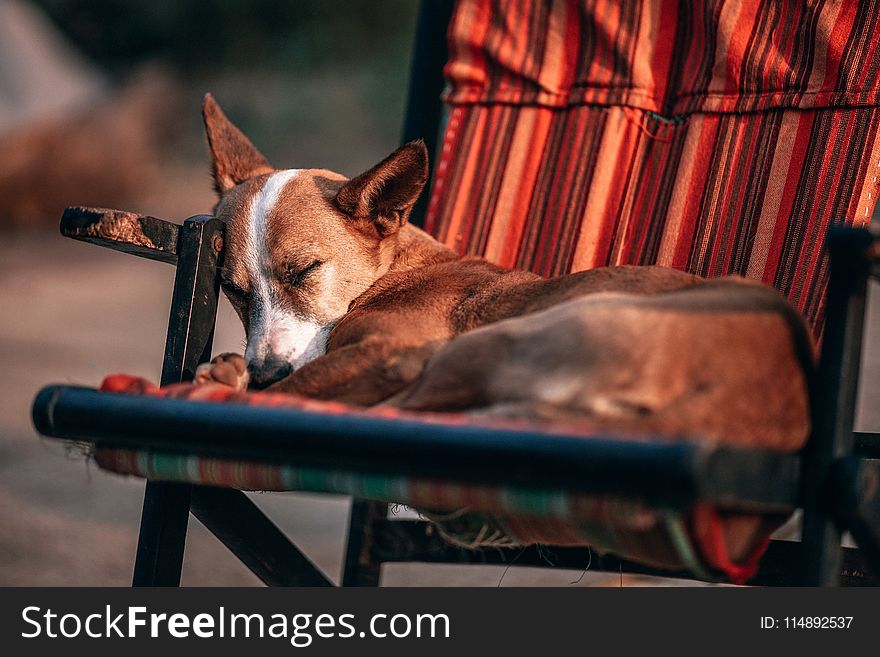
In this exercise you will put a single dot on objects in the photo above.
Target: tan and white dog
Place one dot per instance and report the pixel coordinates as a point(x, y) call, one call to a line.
point(341, 298)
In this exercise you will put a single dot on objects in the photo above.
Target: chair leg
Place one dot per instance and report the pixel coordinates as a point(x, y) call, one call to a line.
point(833, 403)
point(361, 568)
point(188, 343)
point(162, 535)
point(240, 525)
point(857, 498)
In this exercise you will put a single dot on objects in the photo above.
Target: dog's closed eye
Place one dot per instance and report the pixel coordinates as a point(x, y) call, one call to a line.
point(233, 291)
point(296, 277)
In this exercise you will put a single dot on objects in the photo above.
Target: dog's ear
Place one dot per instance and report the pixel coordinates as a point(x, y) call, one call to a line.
point(384, 196)
point(234, 158)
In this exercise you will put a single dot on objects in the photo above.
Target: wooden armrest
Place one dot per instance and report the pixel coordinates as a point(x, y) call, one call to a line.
point(137, 234)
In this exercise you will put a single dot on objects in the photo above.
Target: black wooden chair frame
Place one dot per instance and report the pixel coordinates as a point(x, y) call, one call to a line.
point(835, 480)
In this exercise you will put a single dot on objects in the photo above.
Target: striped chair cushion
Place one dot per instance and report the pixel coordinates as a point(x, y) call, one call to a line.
point(719, 137)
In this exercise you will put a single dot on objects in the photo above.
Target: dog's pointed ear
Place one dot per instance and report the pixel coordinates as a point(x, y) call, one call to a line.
point(385, 195)
point(234, 158)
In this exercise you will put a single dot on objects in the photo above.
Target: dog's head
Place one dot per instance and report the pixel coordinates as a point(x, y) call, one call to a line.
point(302, 244)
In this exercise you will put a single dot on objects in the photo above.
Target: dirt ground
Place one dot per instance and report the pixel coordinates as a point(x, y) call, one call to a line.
point(72, 313)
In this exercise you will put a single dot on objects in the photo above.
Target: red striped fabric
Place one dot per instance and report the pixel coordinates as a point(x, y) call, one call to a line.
point(718, 137)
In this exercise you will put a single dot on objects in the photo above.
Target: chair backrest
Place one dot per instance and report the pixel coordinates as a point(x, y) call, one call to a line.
point(719, 137)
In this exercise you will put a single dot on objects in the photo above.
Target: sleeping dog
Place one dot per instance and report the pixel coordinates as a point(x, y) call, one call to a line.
point(341, 298)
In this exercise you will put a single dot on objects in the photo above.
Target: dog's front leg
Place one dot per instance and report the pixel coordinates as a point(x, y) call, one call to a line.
point(364, 373)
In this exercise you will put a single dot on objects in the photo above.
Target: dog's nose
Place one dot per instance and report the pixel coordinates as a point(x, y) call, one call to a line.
point(265, 373)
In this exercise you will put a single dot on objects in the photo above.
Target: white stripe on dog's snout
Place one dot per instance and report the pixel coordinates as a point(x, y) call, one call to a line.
point(275, 334)
point(257, 258)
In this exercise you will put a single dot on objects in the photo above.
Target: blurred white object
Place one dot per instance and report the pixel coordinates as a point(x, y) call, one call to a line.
point(41, 74)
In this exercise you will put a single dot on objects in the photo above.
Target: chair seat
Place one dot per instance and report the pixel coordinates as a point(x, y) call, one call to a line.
point(661, 526)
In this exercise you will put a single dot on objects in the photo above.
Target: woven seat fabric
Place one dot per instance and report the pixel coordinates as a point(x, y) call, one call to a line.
point(473, 515)
point(478, 517)
point(718, 138)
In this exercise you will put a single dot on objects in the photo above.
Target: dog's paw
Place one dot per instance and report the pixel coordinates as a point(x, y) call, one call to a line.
point(227, 369)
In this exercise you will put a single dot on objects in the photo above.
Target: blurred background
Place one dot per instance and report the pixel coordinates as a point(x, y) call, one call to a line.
point(99, 99)
point(100, 105)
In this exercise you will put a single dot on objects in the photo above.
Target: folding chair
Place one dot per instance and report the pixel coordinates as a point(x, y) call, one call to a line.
point(718, 138)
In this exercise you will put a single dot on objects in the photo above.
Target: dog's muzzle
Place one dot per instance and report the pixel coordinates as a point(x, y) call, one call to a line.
point(265, 373)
